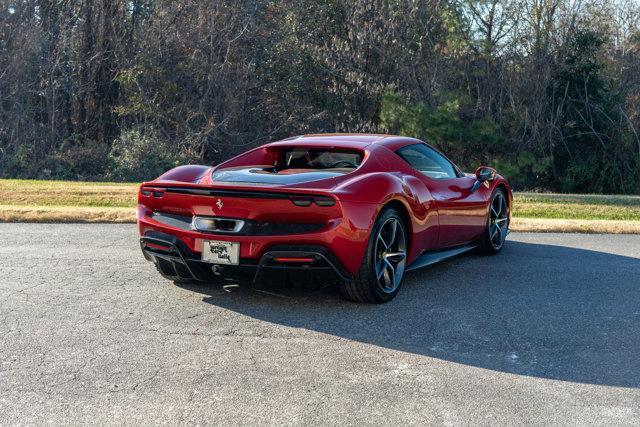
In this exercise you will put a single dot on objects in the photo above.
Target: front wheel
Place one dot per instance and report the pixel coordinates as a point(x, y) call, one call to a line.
point(383, 266)
point(497, 226)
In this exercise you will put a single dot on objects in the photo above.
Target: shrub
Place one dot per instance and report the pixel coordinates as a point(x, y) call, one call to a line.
point(139, 155)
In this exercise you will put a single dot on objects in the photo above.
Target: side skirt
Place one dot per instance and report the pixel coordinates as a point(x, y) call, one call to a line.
point(429, 258)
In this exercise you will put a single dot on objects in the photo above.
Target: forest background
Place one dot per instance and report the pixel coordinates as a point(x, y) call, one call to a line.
point(547, 91)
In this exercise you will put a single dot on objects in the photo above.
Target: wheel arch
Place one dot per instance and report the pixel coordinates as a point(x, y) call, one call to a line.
point(409, 195)
point(504, 187)
point(403, 211)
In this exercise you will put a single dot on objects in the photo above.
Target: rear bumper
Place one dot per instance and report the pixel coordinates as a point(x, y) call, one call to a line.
point(177, 262)
point(345, 237)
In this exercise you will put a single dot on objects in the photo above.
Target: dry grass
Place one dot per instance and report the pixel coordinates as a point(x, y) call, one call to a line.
point(66, 214)
point(16, 192)
point(553, 225)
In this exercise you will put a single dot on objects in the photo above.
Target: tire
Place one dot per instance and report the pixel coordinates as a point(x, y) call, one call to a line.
point(380, 275)
point(497, 227)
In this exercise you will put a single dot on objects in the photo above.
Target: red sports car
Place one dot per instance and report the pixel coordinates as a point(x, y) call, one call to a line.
point(360, 210)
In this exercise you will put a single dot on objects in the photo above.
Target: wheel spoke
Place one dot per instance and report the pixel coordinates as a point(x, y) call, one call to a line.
point(391, 273)
point(502, 220)
point(504, 229)
point(384, 244)
point(380, 268)
point(395, 256)
point(499, 199)
point(494, 231)
point(493, 211)
point(386, 279)
point(392, 233)
point(390, 255)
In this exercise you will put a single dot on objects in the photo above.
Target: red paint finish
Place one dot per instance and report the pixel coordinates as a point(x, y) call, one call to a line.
point(439, 212)
point(461, 214)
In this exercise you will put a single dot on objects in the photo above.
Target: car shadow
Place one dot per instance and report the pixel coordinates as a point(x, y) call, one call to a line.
point(538, 310)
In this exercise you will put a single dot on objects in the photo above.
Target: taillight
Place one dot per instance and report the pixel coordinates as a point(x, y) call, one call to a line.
point(301, 201)
point(149, 191)
point(324, 201)
point(157, 247)
point(308, 200)
point(304, 260)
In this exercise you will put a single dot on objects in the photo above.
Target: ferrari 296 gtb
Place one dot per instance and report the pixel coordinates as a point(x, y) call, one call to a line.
point(358, 210)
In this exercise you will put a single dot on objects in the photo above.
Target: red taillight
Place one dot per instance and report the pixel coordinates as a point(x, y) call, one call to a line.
point(293, 259)
point(158, 247)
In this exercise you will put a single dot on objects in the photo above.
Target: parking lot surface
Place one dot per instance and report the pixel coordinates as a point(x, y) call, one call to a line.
point(546, 332)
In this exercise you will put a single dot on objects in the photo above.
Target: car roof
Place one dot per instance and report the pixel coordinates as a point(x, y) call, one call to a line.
point(346, 140)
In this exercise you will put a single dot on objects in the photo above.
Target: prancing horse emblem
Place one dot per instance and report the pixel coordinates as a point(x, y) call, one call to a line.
point(219, 204)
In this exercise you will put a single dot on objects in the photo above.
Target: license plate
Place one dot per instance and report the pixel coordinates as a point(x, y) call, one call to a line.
point(217, 252)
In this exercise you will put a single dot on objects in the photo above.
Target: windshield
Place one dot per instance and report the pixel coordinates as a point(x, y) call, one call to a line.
point(320, 158)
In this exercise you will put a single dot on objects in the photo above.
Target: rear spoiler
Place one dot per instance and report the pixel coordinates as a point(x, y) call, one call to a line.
point(298, 197)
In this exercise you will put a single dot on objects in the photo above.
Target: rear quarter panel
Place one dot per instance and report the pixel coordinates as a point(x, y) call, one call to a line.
point(381, 189)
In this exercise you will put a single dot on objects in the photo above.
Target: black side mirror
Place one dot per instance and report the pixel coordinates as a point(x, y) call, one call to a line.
point(483, 174)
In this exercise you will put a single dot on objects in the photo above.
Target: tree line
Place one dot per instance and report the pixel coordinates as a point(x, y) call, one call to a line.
point(547, 91)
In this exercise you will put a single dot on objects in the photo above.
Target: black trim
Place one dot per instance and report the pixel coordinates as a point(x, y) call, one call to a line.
point(317, 252)
point(428, 258)
point(173, 255)
point(186, 265)
point(253, 228)
point(248, 194)
point(250, 227)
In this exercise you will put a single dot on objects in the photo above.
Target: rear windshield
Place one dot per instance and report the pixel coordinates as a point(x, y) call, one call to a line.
point(320, 158)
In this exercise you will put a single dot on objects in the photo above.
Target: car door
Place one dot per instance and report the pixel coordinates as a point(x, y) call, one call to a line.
point(461, 213)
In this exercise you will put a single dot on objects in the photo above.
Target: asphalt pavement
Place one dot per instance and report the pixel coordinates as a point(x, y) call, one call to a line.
point(546, 332)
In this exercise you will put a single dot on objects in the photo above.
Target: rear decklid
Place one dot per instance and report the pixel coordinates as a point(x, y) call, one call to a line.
point(264, 176)
point(260, 202)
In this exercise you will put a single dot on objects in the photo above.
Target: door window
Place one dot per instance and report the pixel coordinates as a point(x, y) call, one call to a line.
point(427, 161)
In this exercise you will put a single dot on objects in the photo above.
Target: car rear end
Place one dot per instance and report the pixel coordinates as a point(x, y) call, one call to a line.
point(222, 224)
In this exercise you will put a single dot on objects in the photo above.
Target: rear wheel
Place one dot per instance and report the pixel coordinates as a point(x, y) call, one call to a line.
point(497, 226)
point(383, 266)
